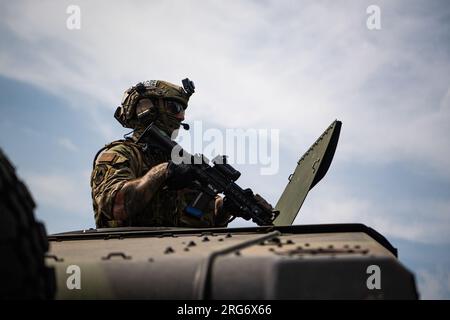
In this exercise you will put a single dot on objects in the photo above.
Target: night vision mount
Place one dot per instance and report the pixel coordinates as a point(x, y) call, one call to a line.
point(188, 86)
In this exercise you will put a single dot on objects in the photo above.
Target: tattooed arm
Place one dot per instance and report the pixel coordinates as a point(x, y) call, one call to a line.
point(136, 194)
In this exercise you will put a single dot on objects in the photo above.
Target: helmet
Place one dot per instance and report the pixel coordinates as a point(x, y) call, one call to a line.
point(146, 102)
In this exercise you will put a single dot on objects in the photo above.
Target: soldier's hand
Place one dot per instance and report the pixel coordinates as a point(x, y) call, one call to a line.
point(263, 203)
point(267, 206)
point(180, 176)
point(221, 217)
point(231, 208)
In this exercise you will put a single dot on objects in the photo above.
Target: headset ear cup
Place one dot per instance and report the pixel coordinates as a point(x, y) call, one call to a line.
point(144, 108)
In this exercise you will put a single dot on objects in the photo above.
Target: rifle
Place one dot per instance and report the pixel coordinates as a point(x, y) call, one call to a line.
point(212, 180)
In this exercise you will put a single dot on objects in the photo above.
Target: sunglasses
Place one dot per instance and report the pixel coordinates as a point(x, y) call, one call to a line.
point(175, 107)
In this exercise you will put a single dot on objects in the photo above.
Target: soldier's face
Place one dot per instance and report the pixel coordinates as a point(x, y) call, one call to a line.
point(176, 109)
point(180, 116)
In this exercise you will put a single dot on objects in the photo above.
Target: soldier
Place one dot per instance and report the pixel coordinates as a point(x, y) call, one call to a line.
point(134, 182)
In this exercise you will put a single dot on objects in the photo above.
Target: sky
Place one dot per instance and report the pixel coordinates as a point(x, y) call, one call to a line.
point(291, 66)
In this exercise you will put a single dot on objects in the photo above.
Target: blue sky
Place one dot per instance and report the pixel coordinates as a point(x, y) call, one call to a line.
point(288, 65)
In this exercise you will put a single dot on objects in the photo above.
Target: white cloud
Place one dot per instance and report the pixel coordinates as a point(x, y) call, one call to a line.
point(279, 64)
point(67, 144)
point(420, 220)
point(289, 65)
point(435, 283)
point(64, 191)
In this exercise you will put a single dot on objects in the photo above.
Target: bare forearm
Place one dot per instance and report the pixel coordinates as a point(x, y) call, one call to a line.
point(220, 216)
point(136, 194)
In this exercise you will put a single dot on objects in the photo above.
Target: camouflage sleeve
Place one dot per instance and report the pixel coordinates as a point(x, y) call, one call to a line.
point(112, 169)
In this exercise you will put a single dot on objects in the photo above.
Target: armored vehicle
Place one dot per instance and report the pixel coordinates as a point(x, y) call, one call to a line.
point(278, 261)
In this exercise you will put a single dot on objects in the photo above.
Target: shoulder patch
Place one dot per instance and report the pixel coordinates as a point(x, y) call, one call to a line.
point(107, 157)
point(99, 174)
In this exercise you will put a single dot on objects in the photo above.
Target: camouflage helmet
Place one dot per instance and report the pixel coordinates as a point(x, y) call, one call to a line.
point(130, 115)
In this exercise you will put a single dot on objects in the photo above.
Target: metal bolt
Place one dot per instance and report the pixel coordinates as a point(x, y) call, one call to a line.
point(275, 240)
point(169, 250)
point(191, 244)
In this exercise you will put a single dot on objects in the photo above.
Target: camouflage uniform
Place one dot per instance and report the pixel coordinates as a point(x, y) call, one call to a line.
point(126, 160)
